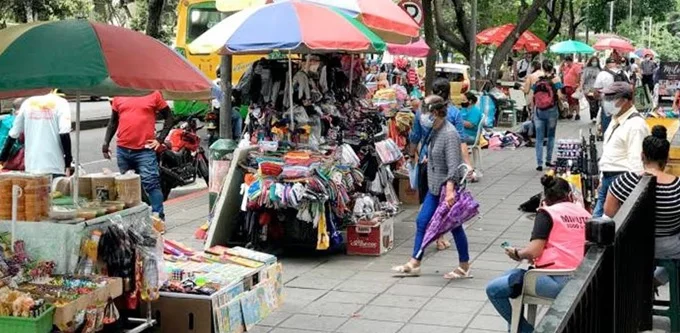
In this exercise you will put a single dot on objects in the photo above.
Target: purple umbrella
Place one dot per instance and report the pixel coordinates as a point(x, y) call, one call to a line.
point(447, 218)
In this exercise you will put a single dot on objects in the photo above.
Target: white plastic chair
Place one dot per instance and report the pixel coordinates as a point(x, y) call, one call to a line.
point(531, 298)
point(476, 148)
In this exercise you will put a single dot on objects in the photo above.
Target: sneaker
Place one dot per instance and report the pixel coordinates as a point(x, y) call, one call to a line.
point(549, 165)
point(578, 117)
point(539, 168)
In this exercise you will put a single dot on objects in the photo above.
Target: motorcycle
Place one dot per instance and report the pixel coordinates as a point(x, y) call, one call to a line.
point(181, 158)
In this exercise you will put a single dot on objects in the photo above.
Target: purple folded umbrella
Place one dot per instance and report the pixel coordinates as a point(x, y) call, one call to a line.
point(447, 218)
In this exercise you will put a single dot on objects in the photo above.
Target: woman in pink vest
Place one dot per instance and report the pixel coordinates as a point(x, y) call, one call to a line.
point(557, 242)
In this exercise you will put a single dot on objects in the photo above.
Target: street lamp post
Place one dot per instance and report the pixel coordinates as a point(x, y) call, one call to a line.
point(611, 16)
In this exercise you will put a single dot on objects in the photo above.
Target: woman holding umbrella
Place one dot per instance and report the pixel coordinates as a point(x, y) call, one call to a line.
point(444, 151)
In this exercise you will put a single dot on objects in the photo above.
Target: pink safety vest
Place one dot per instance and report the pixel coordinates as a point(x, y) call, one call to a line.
point(565, 246)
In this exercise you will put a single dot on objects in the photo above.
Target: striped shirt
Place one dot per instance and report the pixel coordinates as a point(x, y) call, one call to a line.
point(667, 201)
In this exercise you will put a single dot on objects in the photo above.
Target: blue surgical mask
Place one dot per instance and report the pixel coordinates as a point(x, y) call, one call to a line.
point(427, 120)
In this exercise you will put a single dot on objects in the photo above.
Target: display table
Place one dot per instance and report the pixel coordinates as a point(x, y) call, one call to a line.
point(60, 242)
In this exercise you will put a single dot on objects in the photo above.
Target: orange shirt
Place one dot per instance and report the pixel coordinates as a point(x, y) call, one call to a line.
point(572, 76)
point(137, 119)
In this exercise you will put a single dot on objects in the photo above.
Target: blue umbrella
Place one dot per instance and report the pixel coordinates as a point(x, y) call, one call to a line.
point(571, 46)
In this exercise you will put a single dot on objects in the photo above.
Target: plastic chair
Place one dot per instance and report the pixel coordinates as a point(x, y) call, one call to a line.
point(476, 148)
point(530, 297)
point(672, 310)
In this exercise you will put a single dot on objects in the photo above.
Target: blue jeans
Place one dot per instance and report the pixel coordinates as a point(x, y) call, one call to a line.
point(602, 195)
point(604, 121)
point(427, 209)
point(499, 290)
point(144, 163)
point(545, 120)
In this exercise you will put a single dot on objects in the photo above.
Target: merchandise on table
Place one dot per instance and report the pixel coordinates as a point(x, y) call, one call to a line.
point(33, 204)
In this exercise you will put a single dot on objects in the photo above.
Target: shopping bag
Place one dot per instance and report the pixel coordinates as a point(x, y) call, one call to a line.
point(413, 174)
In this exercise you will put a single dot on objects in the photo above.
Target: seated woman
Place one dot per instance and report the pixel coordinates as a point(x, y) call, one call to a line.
point(676, 102)
point(655, 150)
point(472, 115)
point(557, 242)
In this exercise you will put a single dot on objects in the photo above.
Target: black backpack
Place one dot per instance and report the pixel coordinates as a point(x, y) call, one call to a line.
point(618, 77)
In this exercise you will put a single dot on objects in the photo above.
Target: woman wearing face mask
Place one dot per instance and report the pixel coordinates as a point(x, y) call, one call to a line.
point(443, 146)
point(588, 78)
point(472, 115)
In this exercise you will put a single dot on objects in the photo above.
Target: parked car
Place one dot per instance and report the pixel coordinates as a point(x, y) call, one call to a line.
point(459, 79)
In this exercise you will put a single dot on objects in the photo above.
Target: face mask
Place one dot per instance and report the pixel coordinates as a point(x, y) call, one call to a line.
point(610, 108)
point(593, 63)
point(427, 120)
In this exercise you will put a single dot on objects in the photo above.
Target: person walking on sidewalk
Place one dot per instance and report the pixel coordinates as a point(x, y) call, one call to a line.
point(443, 146)
point(546, 89)
point(134, 118)
point(45, 122)
point(647, 68)
point(572, 82)
point(622, 148)
point(557, 242)
point(588, 77)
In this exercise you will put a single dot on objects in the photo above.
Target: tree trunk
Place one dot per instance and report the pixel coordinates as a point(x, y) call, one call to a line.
point(555, 15)
point(153, 23)
point(504, 49)
point(428, 27)
point(458, 43)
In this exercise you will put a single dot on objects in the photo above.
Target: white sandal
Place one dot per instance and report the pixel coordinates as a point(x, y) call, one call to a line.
point(458, 274)
point(406, 270)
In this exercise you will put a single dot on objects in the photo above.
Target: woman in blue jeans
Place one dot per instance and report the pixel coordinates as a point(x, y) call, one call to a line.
point(557, 242)
point(545, 120)
point(444, 151)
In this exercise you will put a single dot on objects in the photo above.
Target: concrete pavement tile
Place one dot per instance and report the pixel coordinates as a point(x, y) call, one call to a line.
point(304, 294)
point(441, 318)
point(492, 323)
point(293, 306)
point(474, 330)
point(496, 256)
point(387, 313)
point(357, 325)
point(434, 280)
point(259, 328)
point(275, 318)
point(312, 322)
point(364, 286)
point(288, 330)
point(346, 264)
point(413, 290)
point(386, 276)
point(488, 310)
point(331, 309)
point(475, 283)
point(336, 274)
point(457, 306)
point(313, 282)
point(410, 302)
point(419, 328)
point(464, 294)
point(347, 297)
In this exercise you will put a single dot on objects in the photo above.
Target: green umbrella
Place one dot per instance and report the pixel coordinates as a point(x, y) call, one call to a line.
point(571, 46)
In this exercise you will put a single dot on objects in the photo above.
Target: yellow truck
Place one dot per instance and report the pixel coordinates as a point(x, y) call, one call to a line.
point(194, 17)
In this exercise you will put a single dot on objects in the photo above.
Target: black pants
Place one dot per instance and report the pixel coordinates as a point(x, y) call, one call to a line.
point(594, 107)
point(422, 181)
point(648, 80)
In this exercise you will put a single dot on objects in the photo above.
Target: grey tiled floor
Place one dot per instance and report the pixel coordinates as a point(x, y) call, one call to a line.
point(350, 294)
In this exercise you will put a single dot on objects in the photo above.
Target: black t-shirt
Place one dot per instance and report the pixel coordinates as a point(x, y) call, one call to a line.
point(543, 224)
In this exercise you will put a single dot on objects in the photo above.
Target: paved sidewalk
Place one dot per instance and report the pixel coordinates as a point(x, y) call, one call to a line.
point(353, 294)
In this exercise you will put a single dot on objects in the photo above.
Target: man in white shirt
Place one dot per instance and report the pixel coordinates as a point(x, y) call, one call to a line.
point(523, 67)
point(45, 122)
point(603, 80)
point(622, 148)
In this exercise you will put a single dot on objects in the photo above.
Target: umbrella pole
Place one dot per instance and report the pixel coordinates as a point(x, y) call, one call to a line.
point(76, 175)
point(290, 92)
point(351, 72)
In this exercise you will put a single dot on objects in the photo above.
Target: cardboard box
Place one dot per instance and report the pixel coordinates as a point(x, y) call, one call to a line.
point(63, 315)
point(407, 195)
point(373, 240)
point(185, 315)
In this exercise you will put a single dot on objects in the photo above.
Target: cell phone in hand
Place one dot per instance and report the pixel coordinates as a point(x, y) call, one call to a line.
point(505, 245)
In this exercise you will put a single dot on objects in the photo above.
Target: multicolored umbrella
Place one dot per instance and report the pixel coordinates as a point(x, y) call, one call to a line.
point(93, 59)
point(418, 49)
point(298, 27)
point(236, 5)
point(613, 43)
point(384, 17)
point(571, 46)
point(642, 52)
point(495, 36)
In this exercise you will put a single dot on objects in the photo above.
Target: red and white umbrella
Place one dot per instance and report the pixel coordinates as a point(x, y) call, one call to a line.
point(496, 35)
point(612, 43)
